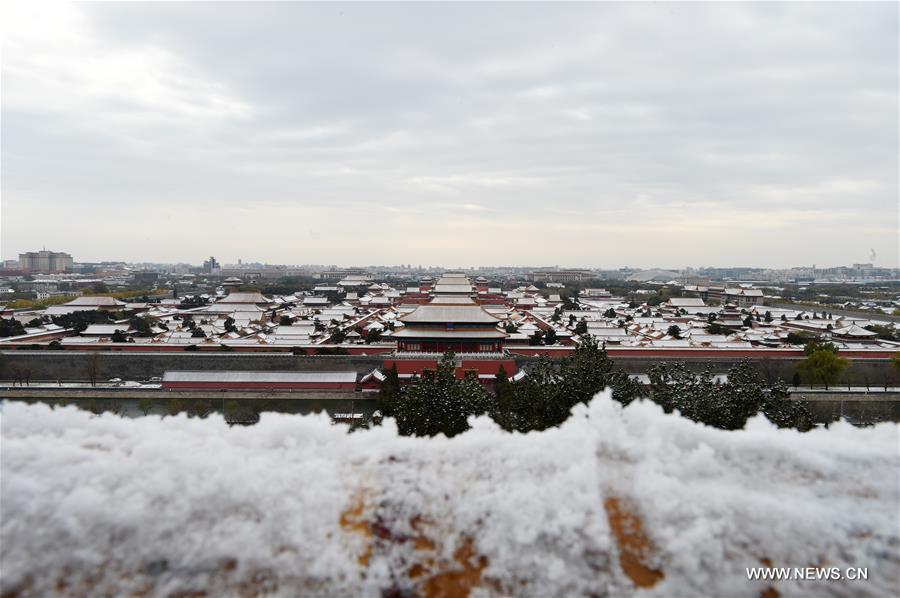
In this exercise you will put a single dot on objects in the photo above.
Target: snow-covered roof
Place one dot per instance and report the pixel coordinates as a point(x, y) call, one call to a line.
point(261, 377)
point(316, 301)
point(432, 313)
point(94, 301)
point(104, 329)
point(854, 331)
point(686, 302)
point(254, 297)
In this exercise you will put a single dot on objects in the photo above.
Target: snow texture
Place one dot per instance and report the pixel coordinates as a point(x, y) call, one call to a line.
point(101, 505)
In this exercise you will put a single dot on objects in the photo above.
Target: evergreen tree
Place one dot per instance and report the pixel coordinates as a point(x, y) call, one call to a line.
point(545, 397)
point(534, 403)
point(728, 405)
point(389, 393)
point(441, 404)
point(537, 338)
point(550, 337)
point(11, 327)
point(582, 328)
point(589, 370)
point(140, 325)
point(503, 389)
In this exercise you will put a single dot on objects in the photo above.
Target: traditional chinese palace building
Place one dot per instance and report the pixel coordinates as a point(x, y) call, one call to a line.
point(450, 324)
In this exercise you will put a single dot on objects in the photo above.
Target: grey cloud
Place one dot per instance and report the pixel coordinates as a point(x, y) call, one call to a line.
point(665, 117)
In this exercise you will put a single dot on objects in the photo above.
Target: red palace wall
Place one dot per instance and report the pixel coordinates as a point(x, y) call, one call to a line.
point(488, 367)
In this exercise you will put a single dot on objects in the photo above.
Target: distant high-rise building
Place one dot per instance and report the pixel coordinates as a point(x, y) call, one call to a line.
point(560, 275)
point(211, 266)
point(45, 261)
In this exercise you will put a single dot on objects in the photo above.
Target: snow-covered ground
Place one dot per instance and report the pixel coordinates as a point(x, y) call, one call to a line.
point(614, 502)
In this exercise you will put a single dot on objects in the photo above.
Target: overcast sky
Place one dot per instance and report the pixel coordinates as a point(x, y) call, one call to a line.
point(456, 134)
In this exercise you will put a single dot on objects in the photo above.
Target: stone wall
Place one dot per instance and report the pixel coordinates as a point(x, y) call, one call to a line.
point(75, 365)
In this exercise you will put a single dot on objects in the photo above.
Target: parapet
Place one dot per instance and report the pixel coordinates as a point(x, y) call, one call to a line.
point(616, 501)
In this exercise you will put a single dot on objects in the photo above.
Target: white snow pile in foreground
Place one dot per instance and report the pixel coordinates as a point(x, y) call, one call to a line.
point(614, 502)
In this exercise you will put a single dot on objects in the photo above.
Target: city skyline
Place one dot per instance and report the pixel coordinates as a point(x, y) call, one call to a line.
point(252, 264)
point(598, 134)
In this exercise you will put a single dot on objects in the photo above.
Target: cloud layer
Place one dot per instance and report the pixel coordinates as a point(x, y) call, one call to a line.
point(456, 134)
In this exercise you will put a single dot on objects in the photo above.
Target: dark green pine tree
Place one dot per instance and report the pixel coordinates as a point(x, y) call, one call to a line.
point(728, 405)
point(581, 328)
point(545, 397)
point(439, 403)
point(550, 337)
point(390, 391)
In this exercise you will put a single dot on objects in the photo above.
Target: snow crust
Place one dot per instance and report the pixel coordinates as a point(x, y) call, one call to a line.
point(102, 505)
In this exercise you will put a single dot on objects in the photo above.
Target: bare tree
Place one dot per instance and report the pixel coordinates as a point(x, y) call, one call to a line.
point(17, 375)
point(92, 367)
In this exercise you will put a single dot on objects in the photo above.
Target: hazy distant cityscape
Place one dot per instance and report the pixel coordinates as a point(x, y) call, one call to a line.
point(317, 308)
point(49, 262)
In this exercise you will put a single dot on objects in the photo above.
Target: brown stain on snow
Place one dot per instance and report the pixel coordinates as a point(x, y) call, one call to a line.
point(353, 520)
point(635, 548)
point(434, 577)
point(460, 576)
point(770, 591)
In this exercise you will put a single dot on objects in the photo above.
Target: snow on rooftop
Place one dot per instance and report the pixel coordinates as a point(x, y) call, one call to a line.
point(95, 301)
point(256, 376)
point(613, 499)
